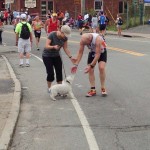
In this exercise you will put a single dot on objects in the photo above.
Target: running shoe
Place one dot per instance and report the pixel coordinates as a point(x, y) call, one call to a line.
point(103, 92)
point(21, 65)
point(91, 93)
point(27, 65)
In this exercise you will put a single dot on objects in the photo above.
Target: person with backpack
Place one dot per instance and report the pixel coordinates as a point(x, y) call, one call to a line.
point(102, 23)
point(24, 38)
point(119, 23)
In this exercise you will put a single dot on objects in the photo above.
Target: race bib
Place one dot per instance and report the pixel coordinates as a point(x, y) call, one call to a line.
point(38, 31)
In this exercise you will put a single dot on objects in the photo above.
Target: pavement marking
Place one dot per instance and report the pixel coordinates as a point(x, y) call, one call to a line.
point(85, 125)
point(111, 48)
point(125, 51)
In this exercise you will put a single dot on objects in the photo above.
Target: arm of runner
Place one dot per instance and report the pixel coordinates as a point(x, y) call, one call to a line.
point(97, 55)
point(78, 59)
point(46, 24)
point(58, 25)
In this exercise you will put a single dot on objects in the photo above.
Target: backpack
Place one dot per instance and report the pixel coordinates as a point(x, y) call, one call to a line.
point(102, 19)
point(120, 21)
point(25, 32)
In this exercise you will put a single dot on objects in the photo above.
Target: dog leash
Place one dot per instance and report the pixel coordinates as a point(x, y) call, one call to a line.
point(62, 64)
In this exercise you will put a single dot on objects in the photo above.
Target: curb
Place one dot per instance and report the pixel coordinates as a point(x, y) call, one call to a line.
point(8, 130)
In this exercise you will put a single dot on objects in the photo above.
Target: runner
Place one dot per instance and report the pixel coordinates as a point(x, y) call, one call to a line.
point(52, 24)
point(97, 53)
point(37, 25)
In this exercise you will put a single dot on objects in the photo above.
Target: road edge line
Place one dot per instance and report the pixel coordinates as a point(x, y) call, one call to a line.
point(10, 125)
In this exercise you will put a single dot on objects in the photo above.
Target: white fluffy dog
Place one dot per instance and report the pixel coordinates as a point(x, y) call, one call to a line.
point(63, 89)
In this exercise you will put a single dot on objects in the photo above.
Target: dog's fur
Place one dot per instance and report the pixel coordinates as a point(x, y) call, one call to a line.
point(63, 89)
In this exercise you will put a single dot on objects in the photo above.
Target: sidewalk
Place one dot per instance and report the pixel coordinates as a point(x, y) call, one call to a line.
point(10, 94)
point(10, 88)
point(139, 31)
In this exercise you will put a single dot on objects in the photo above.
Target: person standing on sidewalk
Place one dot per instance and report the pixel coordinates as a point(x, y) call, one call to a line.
point(98, 53)
point(119, 23)
point(51, 55)
point(24, 38)
point(1, 30)
point(37, 26)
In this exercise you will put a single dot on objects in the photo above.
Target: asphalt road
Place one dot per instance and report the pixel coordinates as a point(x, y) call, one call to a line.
point(120, 121)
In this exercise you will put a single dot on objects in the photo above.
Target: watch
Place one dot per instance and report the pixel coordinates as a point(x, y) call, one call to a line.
point(92, 66)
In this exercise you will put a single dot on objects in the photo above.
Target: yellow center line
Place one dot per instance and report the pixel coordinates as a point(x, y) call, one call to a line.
point(125, 51)
point(111, 48)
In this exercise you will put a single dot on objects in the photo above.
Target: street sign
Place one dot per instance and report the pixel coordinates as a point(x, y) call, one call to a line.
point(9, 1)
point(146, 1)
point(77, 2)
point(30, 3)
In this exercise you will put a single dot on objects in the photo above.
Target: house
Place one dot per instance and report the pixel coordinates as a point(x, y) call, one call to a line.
point(74, 7)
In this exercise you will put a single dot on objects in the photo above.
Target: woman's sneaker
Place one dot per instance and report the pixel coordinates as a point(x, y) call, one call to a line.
point(103, 92)
point(92, 92)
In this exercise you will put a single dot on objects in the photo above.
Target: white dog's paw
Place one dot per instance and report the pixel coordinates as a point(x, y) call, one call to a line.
point(52, 97)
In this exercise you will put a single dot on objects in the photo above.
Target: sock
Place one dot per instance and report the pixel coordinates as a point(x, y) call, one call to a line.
point(27, 61)
point(21, 61)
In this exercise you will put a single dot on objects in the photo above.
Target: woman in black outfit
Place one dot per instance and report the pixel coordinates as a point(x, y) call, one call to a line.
point(51, 56)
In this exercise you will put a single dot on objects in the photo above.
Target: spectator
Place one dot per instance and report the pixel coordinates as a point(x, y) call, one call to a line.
point(51, 55)
point(60, 17)
point(24, 39)
point(94, 24)
point(119, 23)
point(1, 30)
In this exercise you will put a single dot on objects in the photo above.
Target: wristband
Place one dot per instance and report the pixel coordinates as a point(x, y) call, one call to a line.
point(91, 66)
point(76, 65)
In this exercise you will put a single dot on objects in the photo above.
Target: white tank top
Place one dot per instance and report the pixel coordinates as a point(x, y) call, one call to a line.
point(92, 45)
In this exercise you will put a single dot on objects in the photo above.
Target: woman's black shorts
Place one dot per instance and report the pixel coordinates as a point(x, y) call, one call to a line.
point(37, 33)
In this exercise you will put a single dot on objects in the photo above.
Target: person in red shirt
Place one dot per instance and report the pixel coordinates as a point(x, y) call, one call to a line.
point(6, 16)
point(52, 24)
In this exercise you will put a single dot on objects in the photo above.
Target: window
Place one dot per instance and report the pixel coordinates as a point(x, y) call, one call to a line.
point(97, 4)
point(122, 7)
point(43, 7)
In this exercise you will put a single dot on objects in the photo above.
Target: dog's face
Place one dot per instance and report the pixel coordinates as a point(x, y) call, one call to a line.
point(69, 79)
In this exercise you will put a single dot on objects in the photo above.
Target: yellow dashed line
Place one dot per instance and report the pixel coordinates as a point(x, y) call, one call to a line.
point(126, 51)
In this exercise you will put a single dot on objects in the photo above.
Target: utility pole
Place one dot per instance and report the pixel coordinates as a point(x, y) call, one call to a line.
point(141, 2)
point(135, 2)
point(127, 23)
point(82, 7)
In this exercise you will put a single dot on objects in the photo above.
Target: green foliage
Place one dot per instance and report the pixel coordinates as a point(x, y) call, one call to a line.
point(91, 11)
